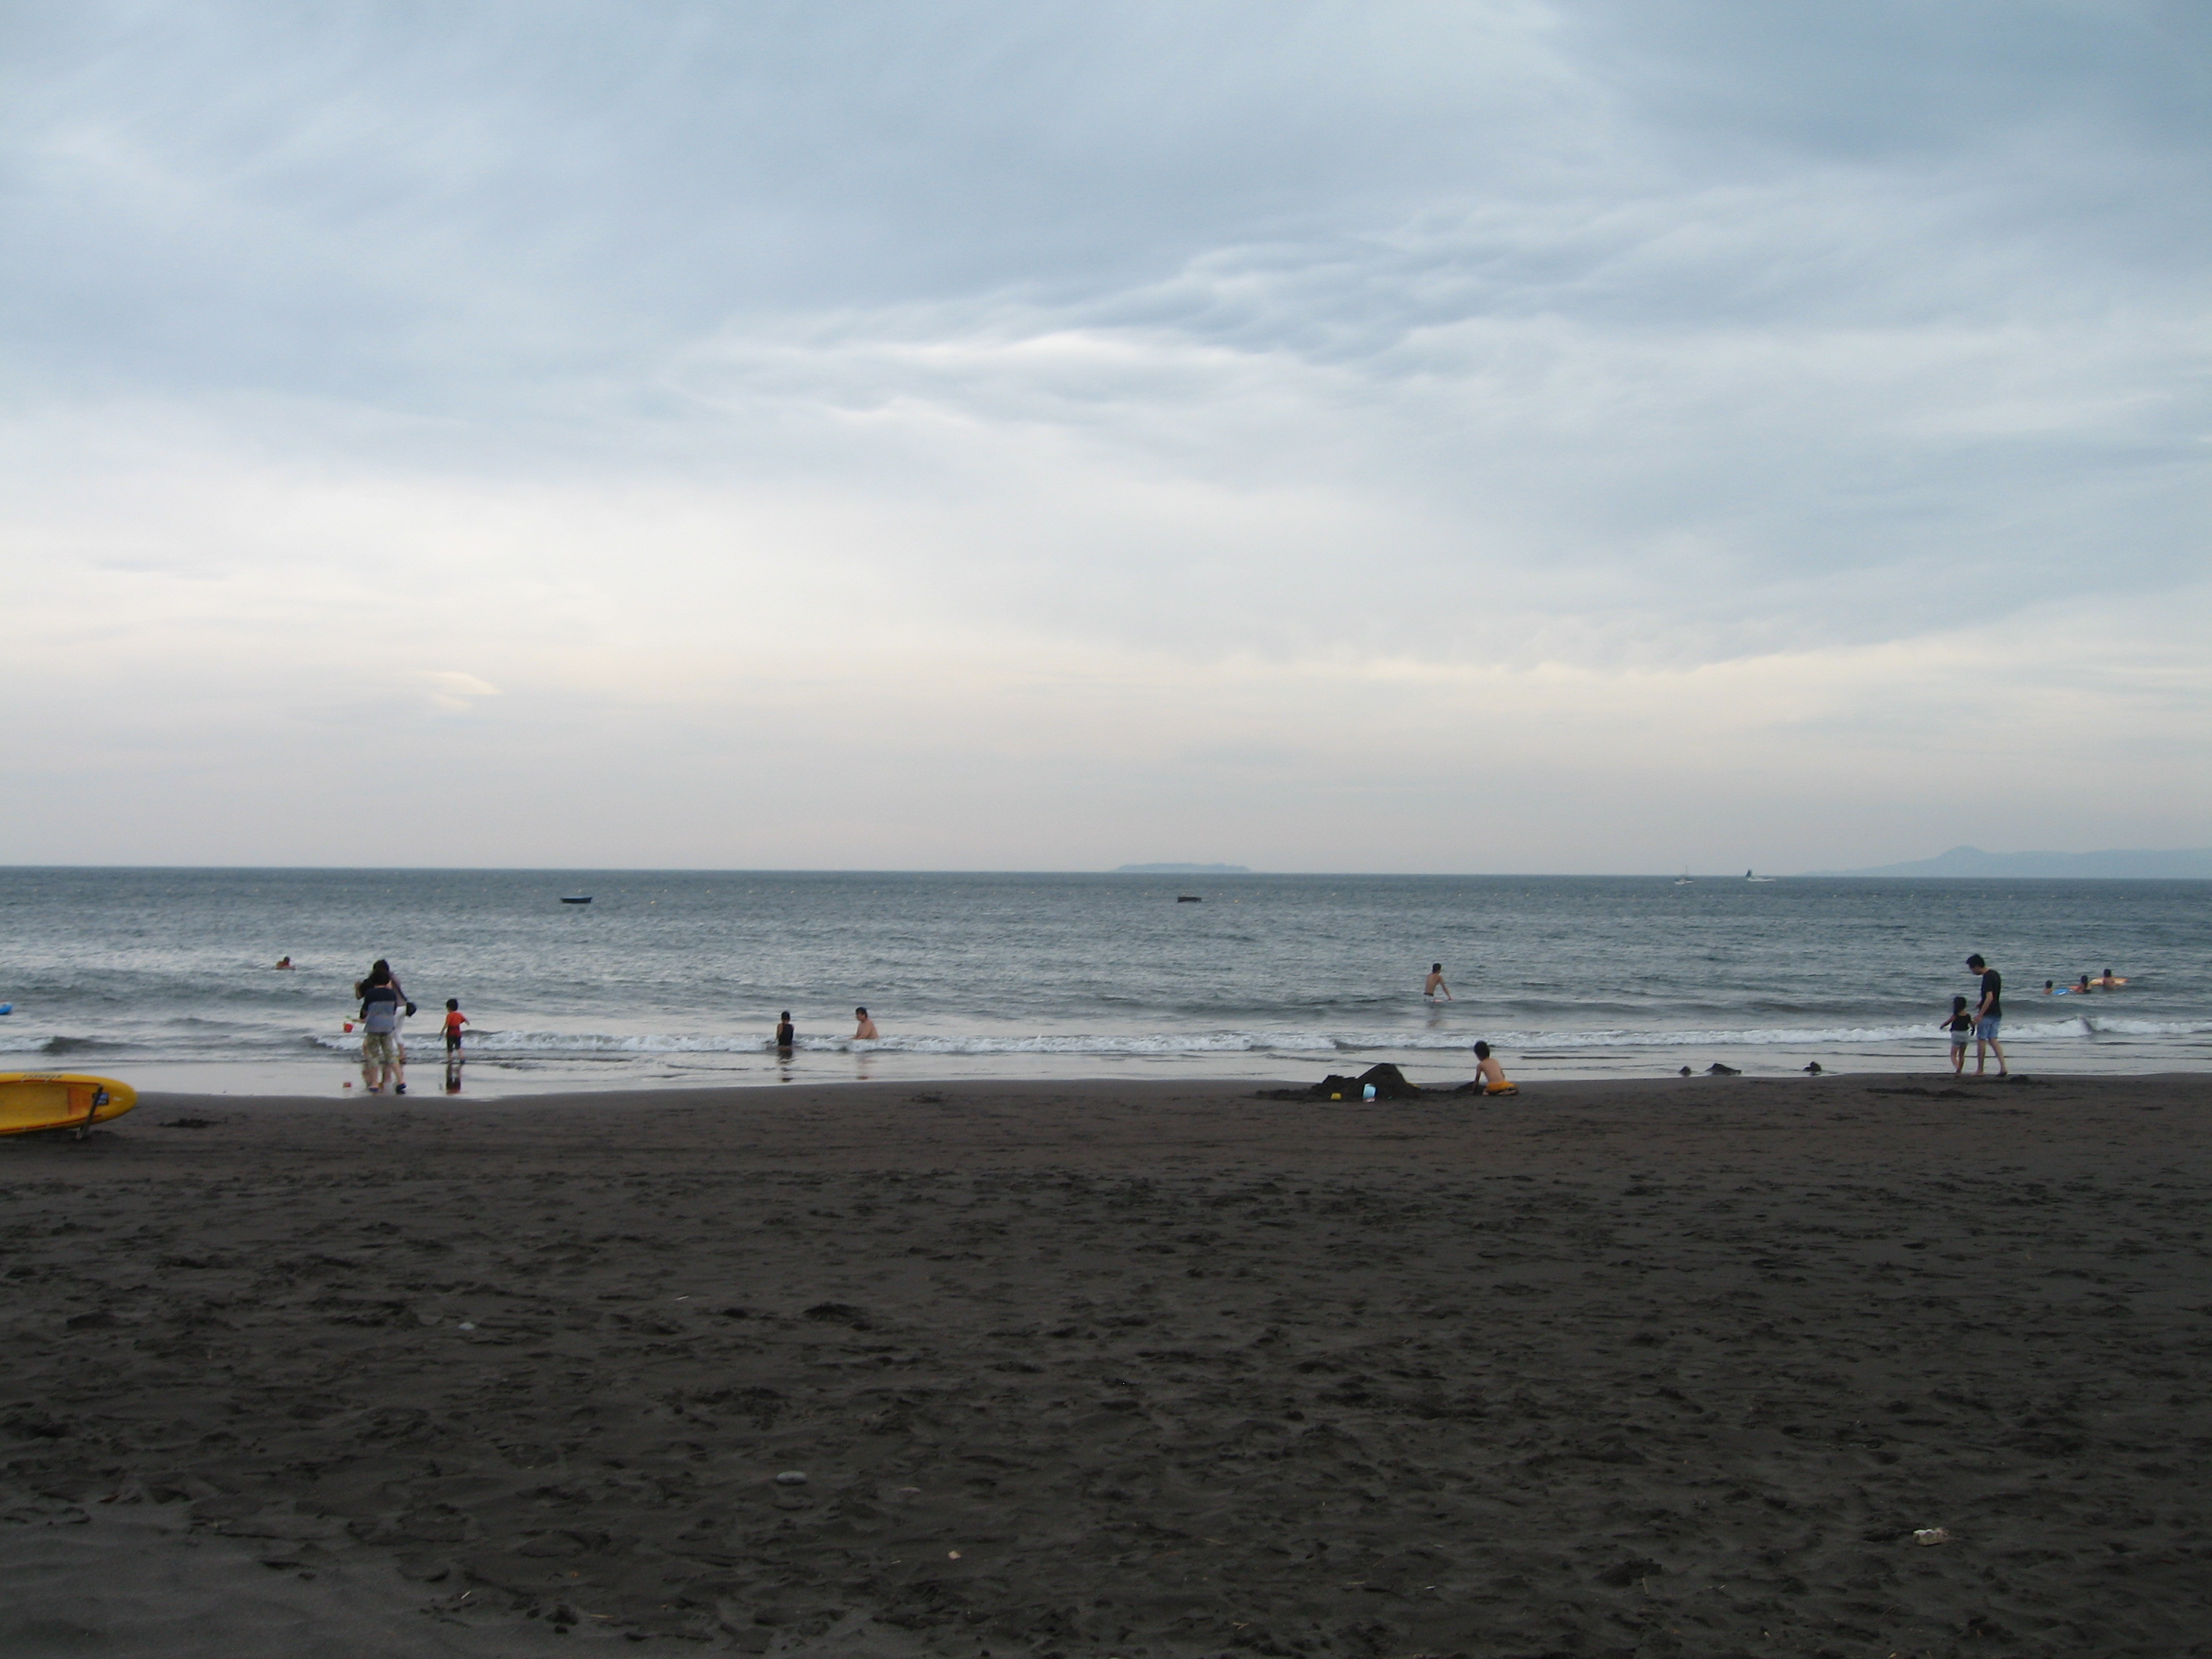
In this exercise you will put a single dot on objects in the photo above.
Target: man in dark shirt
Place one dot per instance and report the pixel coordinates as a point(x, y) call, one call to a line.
point(785, 1034)
point(1988, 1014)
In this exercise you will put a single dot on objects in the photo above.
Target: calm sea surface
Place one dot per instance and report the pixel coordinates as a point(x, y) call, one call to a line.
point(165, 978)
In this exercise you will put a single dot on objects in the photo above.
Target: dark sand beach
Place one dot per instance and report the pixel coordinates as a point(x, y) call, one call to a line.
point(1150, 1369)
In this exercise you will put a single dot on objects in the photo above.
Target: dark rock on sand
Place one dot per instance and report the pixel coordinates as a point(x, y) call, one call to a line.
point(1390, 1084)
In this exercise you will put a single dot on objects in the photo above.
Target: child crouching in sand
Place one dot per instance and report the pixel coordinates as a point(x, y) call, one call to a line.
point(1489, 1075)
point(1961, 1025)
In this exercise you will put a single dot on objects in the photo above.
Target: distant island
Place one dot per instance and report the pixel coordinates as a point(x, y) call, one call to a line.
point(1184, 870)
point(2194, 865)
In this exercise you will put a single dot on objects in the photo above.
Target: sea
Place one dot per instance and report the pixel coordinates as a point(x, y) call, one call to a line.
point(166, 978)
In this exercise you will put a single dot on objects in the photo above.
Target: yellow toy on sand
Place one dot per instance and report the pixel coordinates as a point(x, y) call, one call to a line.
point(60, 1100)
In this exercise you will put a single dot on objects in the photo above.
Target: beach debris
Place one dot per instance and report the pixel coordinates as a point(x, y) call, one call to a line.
point(1685, 1071)
point(464, 1326)
point(1813, 1069)
point(791, 1478)
point(1930, 1535)
point(952, 1555)
point(1719, 1070)
point(187, 1123)
point(1631, 1571)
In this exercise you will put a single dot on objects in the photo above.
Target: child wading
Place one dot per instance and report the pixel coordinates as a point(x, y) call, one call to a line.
point(455, 1019)
point(1961, 1025)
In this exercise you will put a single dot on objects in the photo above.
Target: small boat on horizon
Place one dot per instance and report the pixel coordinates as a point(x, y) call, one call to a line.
point(1188, 898)
point(580, 898)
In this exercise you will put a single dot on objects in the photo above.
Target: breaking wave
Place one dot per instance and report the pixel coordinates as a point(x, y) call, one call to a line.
point(27, 1043)
point(1138, 1044)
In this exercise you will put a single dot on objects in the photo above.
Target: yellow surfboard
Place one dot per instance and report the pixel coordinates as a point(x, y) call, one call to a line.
point(59, 1100)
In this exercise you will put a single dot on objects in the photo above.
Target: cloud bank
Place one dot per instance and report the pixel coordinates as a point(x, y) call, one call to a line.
point(1516, 436)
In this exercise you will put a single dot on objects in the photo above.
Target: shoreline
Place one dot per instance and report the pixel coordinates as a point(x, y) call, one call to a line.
point(1153, 1369)
point(498, 1076)
point(1579, 1091)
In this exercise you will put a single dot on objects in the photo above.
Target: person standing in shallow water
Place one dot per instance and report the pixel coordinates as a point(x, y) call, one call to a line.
point(1436, 987)
point(1959, 1022)
point(864, 1029)
point(786, 1034)
point(1988, 1015)
point(382, 1060)
point(399, 1022)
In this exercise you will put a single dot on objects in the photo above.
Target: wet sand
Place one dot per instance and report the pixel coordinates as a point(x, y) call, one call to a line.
point(1608, 1369)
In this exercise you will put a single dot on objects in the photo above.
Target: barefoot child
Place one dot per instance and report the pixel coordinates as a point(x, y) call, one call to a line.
point(1489, 1075)
point(1961, 1025)
point(454, 1020)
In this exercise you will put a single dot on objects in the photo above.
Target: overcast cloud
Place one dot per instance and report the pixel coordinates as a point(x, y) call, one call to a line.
point(1458, 437)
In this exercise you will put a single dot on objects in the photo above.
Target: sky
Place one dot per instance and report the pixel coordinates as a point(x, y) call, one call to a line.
point(1488, 437)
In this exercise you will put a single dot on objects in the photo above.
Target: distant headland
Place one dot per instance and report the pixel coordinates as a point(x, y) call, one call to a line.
point(2190, 865)
point(1184, 870)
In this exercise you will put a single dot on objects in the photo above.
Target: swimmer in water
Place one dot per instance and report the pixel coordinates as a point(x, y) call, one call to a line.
point(786, 1034)
point(2081, 986)
point(2109, 983)
point(1436, 987)
point(1489, 1075)
point(284, 962)
point(865, 1030)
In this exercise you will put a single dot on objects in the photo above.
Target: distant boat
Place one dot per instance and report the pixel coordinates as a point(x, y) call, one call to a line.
point(1747, 876)
point(1188, 898)
point(580, 898)
point(1685, 879)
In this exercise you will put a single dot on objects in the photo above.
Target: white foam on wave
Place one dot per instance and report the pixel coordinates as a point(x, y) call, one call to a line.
point(1169, 1043)
point(654, 1043)
point(1824, 1037)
